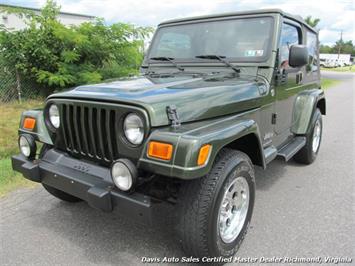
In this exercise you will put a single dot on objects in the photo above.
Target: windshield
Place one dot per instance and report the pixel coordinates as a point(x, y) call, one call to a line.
point(245, 40)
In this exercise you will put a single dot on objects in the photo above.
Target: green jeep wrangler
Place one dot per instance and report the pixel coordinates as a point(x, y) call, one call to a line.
point(217, 95)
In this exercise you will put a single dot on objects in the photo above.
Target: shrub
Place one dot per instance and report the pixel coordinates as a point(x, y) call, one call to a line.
point(56, 56)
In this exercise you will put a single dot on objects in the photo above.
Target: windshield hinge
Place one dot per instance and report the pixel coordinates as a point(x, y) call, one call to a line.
point(173, 116)
point(273, 118)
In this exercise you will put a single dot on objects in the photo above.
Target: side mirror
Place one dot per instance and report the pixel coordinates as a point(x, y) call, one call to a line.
point(298, 56)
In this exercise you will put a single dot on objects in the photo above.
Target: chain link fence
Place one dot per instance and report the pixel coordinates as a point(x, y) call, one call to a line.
point(15, 87)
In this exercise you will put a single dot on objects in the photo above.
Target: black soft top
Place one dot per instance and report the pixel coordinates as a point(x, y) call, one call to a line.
point(232, 14)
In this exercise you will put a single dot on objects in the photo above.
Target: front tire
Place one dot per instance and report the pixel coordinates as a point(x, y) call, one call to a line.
point(308, 153)
point(216, 209)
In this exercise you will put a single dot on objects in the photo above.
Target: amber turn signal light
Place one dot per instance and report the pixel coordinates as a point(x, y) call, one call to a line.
point(203, 154)
point(29, 123)
point(160, 150)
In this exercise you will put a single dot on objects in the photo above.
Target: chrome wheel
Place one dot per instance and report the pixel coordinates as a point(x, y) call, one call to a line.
point(317, 131)
point(233, 210)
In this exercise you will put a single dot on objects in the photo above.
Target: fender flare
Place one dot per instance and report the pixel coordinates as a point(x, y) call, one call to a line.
point(187, 144)
point(304, 106)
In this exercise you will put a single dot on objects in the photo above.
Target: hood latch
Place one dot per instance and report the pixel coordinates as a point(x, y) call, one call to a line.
point(173, 116)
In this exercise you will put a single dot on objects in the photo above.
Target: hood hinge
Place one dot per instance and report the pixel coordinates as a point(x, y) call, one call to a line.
point(173, 116)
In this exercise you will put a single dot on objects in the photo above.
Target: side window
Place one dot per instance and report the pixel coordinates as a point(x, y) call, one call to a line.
point(289, 36)
point(312, 52)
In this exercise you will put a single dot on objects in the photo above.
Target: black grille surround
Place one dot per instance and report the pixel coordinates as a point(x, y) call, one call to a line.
point(94, 130)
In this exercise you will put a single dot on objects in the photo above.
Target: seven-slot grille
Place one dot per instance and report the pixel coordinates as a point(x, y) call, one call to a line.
point(91, 131)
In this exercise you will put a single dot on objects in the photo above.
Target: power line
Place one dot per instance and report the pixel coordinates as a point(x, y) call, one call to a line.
point(340, 43)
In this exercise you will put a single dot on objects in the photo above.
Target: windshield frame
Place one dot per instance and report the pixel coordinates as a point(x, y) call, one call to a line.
point(261, 59)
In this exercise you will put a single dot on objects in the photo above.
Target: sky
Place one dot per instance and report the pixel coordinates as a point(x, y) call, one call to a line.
point(335, 15)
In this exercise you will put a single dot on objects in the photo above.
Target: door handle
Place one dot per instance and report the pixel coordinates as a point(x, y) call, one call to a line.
point(299, 77)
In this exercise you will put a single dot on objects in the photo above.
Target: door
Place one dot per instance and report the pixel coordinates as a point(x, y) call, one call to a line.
point(289, 79)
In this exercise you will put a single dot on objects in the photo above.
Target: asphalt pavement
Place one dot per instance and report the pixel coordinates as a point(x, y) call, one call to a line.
point(300, 211)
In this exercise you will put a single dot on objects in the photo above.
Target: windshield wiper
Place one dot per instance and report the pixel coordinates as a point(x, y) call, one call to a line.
point(169, 59)
point(173, 74)
point(220, 58)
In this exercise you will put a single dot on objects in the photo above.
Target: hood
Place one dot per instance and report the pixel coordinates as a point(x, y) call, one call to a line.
point(195, 98)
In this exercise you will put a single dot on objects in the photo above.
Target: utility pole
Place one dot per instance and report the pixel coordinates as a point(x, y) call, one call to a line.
point(340, 43)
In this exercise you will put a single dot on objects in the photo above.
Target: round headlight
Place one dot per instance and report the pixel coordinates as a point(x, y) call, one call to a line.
point(133, 129)
point(123, 174)
point(54, 116)
point(27, 146)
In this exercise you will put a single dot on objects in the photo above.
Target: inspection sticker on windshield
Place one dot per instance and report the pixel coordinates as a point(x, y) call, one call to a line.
point(254, 53)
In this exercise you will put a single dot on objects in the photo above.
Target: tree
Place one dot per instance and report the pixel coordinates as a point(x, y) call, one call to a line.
point(313, 22)
point(325, 49)
point(54, 55)
point(346, 47)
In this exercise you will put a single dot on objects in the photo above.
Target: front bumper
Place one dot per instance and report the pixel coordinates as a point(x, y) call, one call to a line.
point(86, 181)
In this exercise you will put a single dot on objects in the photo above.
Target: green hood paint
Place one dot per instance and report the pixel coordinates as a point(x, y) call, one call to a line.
point(195, 98)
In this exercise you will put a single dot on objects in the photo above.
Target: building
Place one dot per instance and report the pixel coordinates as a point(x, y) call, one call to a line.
point(14, 22)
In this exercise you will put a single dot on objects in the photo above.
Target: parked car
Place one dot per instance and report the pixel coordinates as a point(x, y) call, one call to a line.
point(218, 95)
point(330, 64)
point(322, 62)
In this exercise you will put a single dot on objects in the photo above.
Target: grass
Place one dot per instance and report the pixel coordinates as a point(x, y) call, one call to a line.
point(340, 69)
point(328, 83)
point(9, 179)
